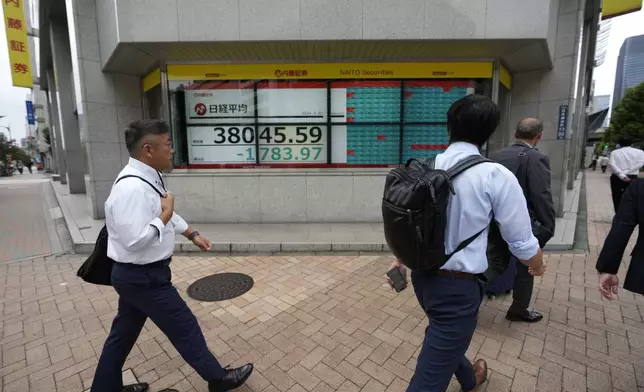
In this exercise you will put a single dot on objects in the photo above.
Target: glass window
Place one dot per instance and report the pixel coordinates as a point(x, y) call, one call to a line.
point(312, 123)
point(154, 102)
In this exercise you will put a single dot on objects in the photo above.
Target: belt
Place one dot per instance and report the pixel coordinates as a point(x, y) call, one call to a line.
point(455, 274)
point(156, 264)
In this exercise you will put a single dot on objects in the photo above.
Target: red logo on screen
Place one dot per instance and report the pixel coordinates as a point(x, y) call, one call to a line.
point(200, 109)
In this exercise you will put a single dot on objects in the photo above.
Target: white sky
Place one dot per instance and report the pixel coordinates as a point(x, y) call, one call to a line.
point(622, 27)
point(12, 99)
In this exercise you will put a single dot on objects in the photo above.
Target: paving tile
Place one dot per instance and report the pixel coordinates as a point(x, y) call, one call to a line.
point(524, 382)
point(278, 378)
point(352, 373)
point(374, 386)
point(314, 357)
point(623, 380)
point(304, 377)
point(573, 382)
point(335, 357)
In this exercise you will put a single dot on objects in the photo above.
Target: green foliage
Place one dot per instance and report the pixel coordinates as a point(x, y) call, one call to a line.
point(627, 119)
point(16, 153)
point(46, 135)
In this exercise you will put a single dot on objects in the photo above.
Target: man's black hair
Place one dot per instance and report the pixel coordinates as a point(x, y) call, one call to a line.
point(529, 128)
point(472, 119)
point(624, 141)
point(137, 130)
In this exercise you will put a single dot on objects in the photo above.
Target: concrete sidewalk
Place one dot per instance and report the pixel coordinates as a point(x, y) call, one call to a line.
point(278, 238)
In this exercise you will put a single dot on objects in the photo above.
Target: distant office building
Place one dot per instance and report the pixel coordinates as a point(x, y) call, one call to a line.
point(603, 35)
point(599, 103)
point(630, 67)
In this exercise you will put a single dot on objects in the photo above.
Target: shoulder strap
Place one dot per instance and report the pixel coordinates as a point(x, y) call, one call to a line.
point(454, 171)
point(140, 178)
point(465, 164)
point(464, 244)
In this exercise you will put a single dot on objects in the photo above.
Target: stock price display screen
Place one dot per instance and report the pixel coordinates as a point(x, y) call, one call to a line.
point(277, 144)
point(218, 136)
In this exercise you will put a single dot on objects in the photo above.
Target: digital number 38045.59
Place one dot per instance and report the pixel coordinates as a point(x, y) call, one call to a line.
point(268, 135)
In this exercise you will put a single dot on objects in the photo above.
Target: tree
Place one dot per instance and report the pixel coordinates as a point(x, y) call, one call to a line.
point(17, 154)
point(47, 136)
point(627, 119)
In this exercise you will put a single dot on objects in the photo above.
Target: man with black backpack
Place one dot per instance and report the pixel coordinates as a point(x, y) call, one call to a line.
point(141, 225)
point(436, 216)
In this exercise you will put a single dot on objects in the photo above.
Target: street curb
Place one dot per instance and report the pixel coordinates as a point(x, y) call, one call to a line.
point(79, 243)
point(85, 247)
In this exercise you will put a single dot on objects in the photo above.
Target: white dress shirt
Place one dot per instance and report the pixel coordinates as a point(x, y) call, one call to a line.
point(626, 161)
point(484, 191)
point(136, 233)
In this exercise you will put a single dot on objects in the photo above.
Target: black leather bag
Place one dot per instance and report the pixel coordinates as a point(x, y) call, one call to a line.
point(414, 211)
point(97, 269)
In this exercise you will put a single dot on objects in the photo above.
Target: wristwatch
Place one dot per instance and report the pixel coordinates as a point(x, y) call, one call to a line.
point(193, 235)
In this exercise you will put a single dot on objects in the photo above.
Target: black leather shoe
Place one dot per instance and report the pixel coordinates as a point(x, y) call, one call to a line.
point(527, 316)
point(233, 379)
point(142, 387)
point(169, 390)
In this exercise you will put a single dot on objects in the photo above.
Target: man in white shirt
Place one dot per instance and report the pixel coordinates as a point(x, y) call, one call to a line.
point(452, 296)
point(603, 163)
point(141, 226)
point(625, 163)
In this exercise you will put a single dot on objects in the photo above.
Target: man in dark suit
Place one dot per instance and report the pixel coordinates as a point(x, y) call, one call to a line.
point(629, 215)
point(532, 169)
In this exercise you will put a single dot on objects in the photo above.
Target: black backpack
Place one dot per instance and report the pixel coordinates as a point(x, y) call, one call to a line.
point(97, 269)
point(414, 211)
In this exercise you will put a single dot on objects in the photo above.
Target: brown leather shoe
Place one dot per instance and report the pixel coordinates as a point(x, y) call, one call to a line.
point(480, 372)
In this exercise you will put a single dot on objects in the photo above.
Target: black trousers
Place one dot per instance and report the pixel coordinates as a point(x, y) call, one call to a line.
point(148, 292)
point(617, 188)
point(522, 290)
point(452, 306)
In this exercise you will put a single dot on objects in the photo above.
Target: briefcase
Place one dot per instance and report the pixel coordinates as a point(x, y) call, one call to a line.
point(97, 269)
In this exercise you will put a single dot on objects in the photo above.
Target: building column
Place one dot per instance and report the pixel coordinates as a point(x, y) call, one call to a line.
point(106, 104)
point(55, 132)
point(52, 138)
point(541, 93)
point(75, 156)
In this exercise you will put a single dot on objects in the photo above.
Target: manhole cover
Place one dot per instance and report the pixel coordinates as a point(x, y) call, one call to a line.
point(220, 287)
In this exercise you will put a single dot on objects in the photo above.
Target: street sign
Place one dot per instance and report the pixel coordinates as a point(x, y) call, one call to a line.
point(31, 118)
point(563, 121)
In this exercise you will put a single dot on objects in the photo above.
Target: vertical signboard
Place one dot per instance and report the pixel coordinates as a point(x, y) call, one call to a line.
point(563, 120)
point(31, 118)
point(16, 29)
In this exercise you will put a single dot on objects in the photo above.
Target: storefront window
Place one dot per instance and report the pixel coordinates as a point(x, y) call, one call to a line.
point(312, 123)
point(154, 103)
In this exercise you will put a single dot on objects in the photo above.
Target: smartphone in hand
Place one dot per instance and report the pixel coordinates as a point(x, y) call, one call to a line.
point(398, 279)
